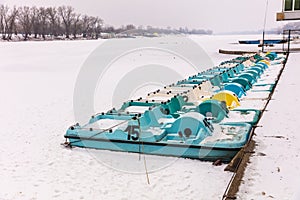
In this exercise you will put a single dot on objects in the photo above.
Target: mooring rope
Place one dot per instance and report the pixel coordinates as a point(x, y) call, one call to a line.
point(104, 130)
point(145, 164)
point(143, 152)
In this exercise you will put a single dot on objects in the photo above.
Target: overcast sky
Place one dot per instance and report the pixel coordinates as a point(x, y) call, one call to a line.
point(217, 15)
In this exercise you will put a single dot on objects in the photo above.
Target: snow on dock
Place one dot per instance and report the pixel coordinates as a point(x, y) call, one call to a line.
point(274, 168)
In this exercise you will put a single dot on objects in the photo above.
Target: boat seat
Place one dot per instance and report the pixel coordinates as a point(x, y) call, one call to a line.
point(190, 126)
point(236, 88)
point(231, 100)
point(213, 109)
point(242, 81)
point(254, 73)
point(249, 77)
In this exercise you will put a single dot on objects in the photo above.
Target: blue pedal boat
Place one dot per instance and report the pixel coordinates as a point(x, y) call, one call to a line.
point(194, 118)
point(189, 136)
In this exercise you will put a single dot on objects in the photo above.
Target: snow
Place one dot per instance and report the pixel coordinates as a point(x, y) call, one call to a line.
point(104, 124)
point(239, 117)
point(137, 109)
point(37, 81)
point(160, 97)
point(273, 170)
point(256, 95)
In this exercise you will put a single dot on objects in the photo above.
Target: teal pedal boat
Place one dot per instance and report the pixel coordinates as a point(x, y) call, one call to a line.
point(200, 117)
point(188, 136)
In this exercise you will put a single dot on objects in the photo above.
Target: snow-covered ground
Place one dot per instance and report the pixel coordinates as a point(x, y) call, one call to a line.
point(37, 81)
point(274, 169)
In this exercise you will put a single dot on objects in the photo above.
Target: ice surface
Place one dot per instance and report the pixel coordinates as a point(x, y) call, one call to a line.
point(37, 81)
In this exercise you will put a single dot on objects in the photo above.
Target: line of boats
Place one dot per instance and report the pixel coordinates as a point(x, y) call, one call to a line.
point(208, 116)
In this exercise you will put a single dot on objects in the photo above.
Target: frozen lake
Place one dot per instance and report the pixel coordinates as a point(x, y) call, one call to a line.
point(37, 80)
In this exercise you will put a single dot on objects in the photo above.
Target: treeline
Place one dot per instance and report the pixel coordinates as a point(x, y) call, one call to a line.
point(292, 26)
point(148, 30)
point(47, 21)
point(64, 23)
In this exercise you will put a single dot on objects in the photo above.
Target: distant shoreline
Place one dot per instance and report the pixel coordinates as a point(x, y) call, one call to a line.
point(32, 38)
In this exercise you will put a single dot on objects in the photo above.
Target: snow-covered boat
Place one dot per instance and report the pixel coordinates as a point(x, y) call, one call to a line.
point(199, 117)
point(189, 135)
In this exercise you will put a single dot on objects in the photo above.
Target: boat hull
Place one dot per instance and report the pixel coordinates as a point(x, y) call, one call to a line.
point(259, 41)
point(164, 149)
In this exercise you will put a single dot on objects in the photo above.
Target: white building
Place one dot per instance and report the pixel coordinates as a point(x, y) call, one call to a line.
point(290, 10)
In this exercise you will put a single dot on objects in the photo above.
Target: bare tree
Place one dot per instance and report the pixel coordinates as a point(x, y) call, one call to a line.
point(67, 16)
point(25, 19)
point(91, 26)
point(49, 21)
point(109, 29)
point(1, 19)
point(43, 21)
point(130, 27)
point(96, 25)
point(8, 21)
point(35, 21)
point(86, 25)
point(76, 26)
point(54, 20)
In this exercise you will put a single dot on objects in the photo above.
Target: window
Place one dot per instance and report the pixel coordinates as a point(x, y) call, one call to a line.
point(297, 5)
point(288, 5)
point(291, 5)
